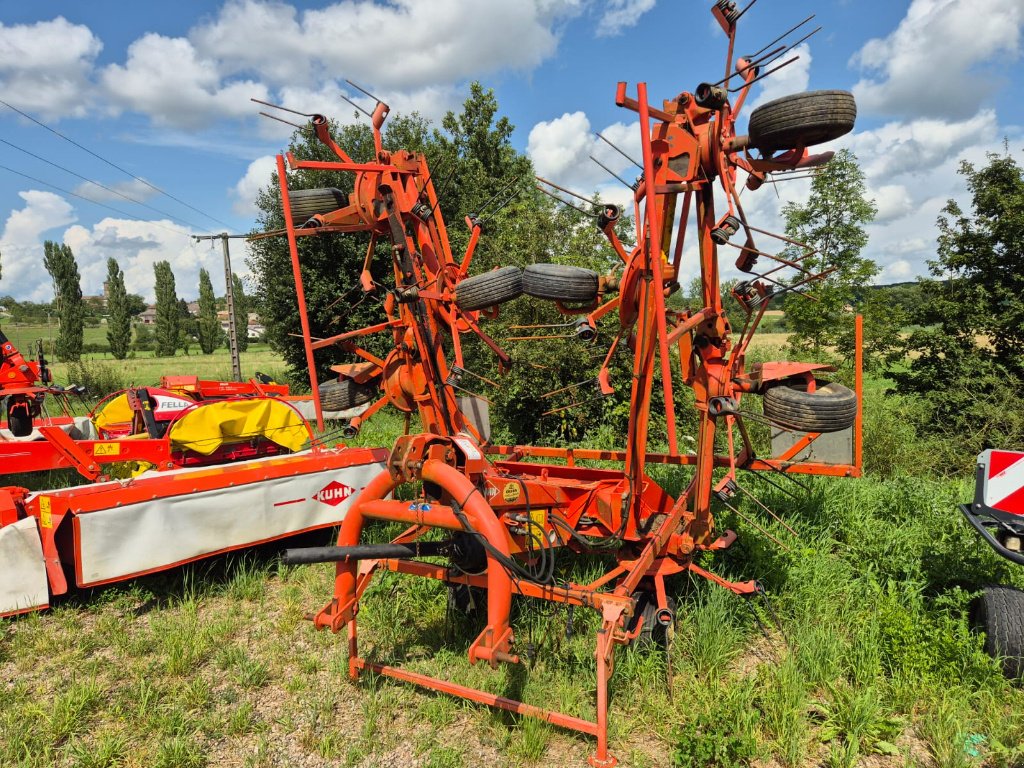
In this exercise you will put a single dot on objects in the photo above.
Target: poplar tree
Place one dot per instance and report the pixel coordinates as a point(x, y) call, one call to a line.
point(241, 312)
point(67, 291)
point(168, 320)
point(209, 327)
point(119, 318)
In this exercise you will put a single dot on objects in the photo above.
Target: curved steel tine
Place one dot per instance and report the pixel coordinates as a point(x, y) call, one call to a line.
point(363, 91)
point(346, 98)
point(282, 120)
point(606, 141)
point(284, 109)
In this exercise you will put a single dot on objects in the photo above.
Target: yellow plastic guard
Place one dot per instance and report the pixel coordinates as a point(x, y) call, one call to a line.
point(208, 426)
point(116, 411)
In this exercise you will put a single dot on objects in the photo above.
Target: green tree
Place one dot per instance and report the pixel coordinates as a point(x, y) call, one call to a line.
point(968, 353)
point(136, 304)
point(833, 222)
point(119, 320)
point(67, 291)
point(208, 327)
point(188, 327)
point(168, 318)
point(241, 302)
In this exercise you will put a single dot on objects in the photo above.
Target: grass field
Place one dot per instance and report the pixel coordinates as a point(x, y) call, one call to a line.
point(872, 663)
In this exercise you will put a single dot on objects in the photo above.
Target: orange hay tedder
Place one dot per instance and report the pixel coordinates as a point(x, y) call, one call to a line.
point(506, 517)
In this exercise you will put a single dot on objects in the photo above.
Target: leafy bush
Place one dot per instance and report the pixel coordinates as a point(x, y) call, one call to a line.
point(99, 379)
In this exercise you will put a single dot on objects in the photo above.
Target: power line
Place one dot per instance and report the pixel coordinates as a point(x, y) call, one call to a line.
point(88, 200)
point(111, 164)
point(101, 186)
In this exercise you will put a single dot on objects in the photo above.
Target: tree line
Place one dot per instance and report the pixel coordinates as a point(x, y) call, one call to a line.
point(175, 327)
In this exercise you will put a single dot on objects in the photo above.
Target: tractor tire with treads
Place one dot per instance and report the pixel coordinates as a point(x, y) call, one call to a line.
point(19, 416)
point(802, 119)
point(831, 407)
point(343, 394)
point(489, 289)
point(307, 203)
point(558, 282)
point(999, 612)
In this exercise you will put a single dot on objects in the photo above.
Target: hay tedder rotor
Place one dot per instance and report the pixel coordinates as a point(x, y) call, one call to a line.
point(505, 511)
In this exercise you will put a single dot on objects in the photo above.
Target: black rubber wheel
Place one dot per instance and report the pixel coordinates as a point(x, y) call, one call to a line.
point(464, 600)
point(653, 634)
point(343, 394)
point(802, 119)
point(559, 283)
point(830, 407)
point(307, 203)
point(999, 613)
point(489, 289)
point(19, 416)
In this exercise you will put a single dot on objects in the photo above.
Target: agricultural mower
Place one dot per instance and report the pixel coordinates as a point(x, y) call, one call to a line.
point(503, 514)
point(997, 514)
point(208, 467)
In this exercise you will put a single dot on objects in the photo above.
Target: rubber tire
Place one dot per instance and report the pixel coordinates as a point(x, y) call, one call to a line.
point(489, 289)
point(558, 282)
point(802, 119)
point(19, 421)
point(999, 613)
point(307, 203)
point(652, 634)
point(342, 394)
point(830, 408)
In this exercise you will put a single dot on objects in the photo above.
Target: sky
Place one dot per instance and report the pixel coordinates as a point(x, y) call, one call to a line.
point(158, 98)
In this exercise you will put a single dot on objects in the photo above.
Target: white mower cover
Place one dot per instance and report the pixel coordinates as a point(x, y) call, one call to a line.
point(23, 584)
point(140, 538)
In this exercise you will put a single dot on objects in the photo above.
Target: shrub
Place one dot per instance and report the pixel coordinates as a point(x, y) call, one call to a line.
point(99, 379)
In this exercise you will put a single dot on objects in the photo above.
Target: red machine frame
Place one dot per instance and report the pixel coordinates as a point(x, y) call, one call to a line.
point(487, 492)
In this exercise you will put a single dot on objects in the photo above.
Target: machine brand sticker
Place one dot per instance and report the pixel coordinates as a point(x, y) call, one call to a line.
point(333, 493)
point(106, 449)
point(511, 492)
point(45, 519)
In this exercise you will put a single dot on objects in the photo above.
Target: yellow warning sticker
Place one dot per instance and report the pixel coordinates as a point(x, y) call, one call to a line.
point(539, 517)
point(45, 519)
point(106, 449)
point(511, 492)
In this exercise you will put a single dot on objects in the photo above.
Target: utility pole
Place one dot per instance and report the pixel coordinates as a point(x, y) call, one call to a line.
point(236, 363)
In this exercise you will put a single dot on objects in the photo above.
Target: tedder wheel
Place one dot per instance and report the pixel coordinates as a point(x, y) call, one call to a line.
point(307, 203)
point(343, 394)
point(19, 416)
point(802, 119)
point(999, 612)
point(559, 283)
point(830, 407)
point(653, 633)
point(489, 289)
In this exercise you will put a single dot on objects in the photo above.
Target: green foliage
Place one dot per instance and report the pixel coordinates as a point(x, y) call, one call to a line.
point(188, 326)
point(144, 338)
point(832, 221)
point(208, 326)
point(720, 732)
point(98, 378)
point(168, 316)
point(67, 291)
point(119, 322)
point(241, 302)
point(968, 353)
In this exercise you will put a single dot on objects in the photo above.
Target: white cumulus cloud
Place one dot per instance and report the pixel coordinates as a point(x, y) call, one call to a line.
point(620, 15)
point(929, 65)
point(21, 244)
point(45, 67)
point(256, 177)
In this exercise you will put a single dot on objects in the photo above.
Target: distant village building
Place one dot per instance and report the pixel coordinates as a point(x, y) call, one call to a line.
point(148, 317)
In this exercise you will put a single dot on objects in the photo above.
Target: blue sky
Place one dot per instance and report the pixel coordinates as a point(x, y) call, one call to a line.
point(162, 90)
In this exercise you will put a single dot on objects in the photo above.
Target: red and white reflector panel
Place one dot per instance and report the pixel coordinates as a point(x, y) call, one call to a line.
point(1002, 480)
